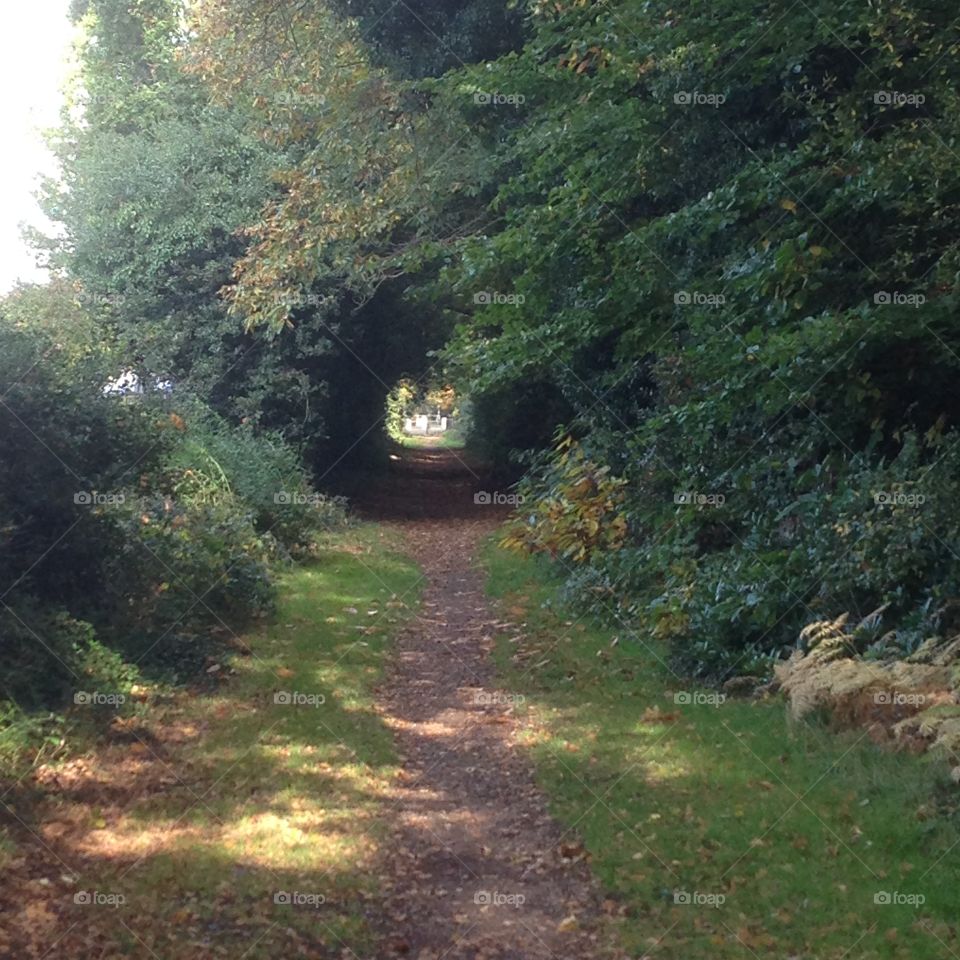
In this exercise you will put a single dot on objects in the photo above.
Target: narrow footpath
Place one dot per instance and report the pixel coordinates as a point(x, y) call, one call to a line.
point(476, 868)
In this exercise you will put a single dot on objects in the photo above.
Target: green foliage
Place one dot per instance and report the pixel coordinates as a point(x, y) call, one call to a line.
point(133, 529)
point(62, 445)
point(216, 463)
point(184, 575)
point(575, 507)
point(422, 39)
point(45, 653)
point(731, 248)
point(26, 736)
point(154, 187)
point(506, 421)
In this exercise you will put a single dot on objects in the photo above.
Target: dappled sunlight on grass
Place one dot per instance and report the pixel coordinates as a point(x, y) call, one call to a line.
point(278, 786)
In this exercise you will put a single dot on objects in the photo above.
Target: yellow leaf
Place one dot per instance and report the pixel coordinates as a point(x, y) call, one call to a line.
point(788, 205)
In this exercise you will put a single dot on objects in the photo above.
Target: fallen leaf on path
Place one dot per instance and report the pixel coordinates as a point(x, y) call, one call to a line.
point(571, 851)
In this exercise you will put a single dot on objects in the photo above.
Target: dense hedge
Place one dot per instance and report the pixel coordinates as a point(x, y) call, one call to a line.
point(732, 230)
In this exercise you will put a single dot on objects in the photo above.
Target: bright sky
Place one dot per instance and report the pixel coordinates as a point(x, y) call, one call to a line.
point(34, 46)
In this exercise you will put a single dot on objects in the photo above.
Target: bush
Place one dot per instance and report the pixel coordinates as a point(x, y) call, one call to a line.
point(730, 578)
point(574, 507)
point(26, 735)
point(214, 463)
point(133, 531)
point(183, 573)
point(44, 653)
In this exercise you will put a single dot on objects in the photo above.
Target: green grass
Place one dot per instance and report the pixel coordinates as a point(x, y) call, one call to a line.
point(451, 439)
point(270, 797)
point(26, 739)
point(797, 827)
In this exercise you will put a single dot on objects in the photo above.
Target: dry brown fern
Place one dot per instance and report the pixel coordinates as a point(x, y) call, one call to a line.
point(883, 696)
point(827, 639)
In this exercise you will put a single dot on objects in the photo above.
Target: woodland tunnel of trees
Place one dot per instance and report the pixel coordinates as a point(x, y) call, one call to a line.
point(713, 249)
point(693, 267)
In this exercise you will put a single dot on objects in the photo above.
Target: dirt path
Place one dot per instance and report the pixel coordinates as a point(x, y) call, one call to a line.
point(477, 868)
point(172, 837)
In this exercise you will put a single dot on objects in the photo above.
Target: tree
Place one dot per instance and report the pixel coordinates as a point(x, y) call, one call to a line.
point(728, 243)
point(155, 185)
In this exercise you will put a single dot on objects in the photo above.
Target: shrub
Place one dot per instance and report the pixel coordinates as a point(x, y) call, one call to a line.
point(574, 507)
point(215, 463)
point(133, 531)
point(44, 653)
point(182, 572)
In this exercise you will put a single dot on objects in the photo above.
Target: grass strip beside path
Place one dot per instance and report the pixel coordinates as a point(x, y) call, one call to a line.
point(720, 829)
point(239, 822)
